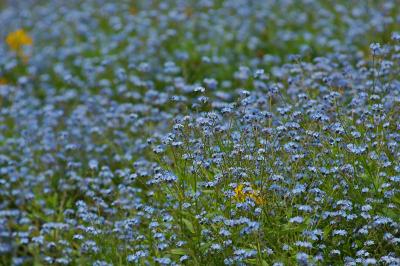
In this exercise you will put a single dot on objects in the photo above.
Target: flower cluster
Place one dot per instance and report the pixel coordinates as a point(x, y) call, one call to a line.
point(199, 132)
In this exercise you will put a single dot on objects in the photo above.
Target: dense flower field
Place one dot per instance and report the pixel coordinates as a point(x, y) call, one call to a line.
point(209, 132)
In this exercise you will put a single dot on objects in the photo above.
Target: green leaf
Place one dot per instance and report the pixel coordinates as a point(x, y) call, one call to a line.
point(189, 225)
point(252, 261)
point(205, 247)
point(178, 251)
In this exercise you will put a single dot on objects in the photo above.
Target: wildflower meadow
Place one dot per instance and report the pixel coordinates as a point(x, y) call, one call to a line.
point(199, 132)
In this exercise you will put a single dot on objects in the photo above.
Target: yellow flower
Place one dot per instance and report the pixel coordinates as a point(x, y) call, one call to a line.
point(189, 11)
point(3, 81)
point(17, 39)
point(241, 195)
point(255, 195)
point(133, 10)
